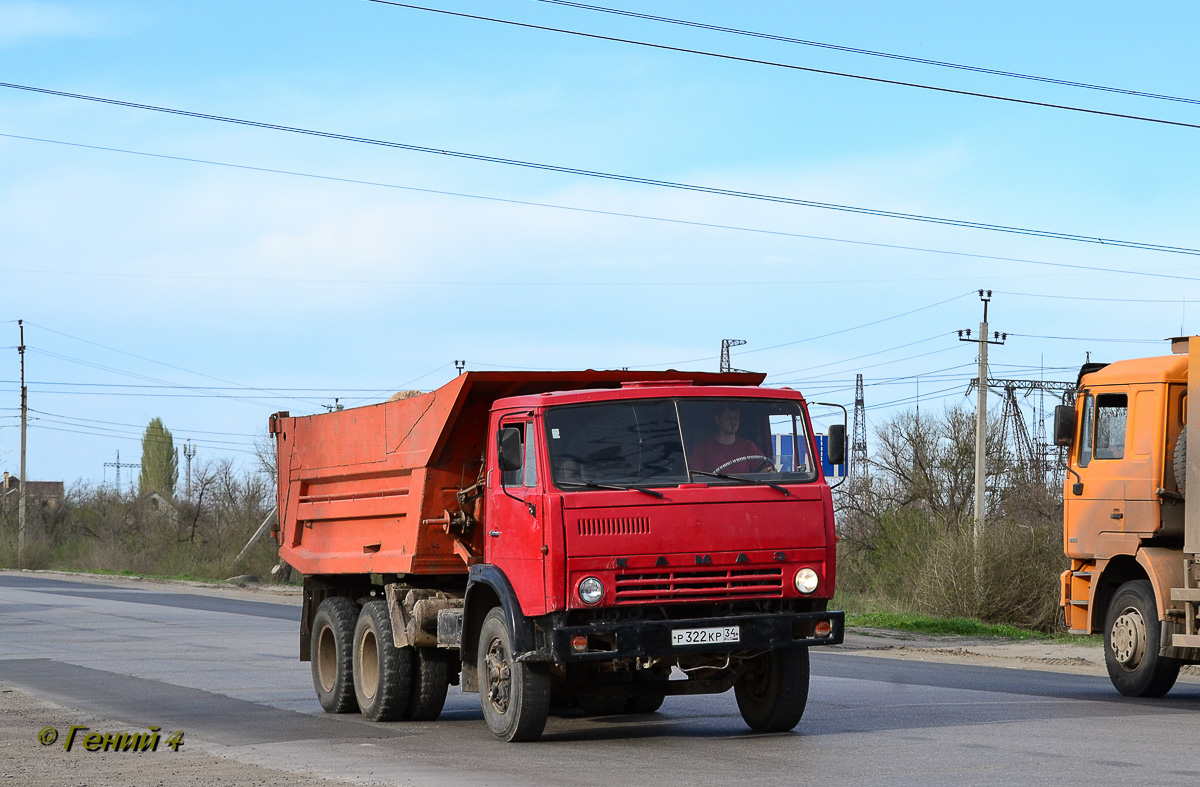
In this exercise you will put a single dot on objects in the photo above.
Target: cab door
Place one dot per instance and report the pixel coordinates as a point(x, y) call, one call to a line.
point(515, 514)
point(1104, 467)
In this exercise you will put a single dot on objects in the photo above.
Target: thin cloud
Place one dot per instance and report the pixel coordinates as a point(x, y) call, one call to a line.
point(21, 22)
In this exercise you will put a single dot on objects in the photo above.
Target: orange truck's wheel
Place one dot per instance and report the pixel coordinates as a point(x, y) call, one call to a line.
point(1131, 636)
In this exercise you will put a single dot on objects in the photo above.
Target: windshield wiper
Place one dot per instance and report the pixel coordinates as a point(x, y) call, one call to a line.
point(743, 479)
point(590, 485)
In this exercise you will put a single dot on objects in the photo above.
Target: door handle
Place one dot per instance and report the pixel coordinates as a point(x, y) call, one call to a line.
point(494, 533)
point(1116, 515)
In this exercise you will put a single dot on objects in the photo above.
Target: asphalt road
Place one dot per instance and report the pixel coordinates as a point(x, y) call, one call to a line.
point(226, 671)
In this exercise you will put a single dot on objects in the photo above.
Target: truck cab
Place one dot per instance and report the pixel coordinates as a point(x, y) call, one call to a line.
point(1125, 519)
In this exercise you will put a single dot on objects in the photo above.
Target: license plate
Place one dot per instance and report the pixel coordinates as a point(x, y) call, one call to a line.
point(706, 636)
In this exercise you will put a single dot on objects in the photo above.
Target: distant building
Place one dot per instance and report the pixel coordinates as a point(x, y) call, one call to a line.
point(49, 493)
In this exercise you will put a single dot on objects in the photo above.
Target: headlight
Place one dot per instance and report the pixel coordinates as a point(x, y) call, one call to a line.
point(806, 580)
point(591, 590)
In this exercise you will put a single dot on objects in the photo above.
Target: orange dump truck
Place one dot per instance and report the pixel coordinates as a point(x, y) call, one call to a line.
point(604, 538)
point(1132, 537)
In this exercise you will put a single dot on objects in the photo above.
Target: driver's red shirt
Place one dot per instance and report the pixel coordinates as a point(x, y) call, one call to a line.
point(711, 454)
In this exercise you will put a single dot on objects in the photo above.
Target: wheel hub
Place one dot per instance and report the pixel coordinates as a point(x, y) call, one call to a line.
point(499, 675)
point(1128, 638)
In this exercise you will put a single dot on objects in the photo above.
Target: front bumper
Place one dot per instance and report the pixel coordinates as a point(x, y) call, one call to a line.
point(645, 638)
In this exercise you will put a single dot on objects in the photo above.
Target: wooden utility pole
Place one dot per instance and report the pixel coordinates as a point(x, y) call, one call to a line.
point(24, 427)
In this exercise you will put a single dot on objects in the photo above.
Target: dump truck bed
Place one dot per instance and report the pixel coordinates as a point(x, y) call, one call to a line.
point(359, 488)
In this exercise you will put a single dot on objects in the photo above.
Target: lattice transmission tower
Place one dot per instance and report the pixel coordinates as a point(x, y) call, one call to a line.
point(1031, 449)
point(725, 345)
point(858, 440)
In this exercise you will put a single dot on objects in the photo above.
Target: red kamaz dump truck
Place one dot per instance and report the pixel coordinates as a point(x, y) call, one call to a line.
point(603, 538)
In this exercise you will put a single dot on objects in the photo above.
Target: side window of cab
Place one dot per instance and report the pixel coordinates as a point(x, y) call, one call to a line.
point(1087, 425)
point(1112, 411)
point(526, 474)
point(516, 476)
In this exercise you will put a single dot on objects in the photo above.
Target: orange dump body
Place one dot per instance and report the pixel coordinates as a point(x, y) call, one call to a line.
point(367, 490)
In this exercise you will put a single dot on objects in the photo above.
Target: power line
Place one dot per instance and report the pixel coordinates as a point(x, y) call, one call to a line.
point(104, 431)
point(1099, 300)
point(552, 206)
point(873, 53)
point(123, 437)
point(864, 325)
point(1088, 339)
point(160, 363)
point(136, 426)
point(796, 201)
point(790, 66)
point(101, 367)
point(859, 357)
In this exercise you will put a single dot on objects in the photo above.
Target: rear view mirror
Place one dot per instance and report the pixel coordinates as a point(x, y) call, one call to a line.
point(1064, 424)
point(510, 449)
point(837, 444)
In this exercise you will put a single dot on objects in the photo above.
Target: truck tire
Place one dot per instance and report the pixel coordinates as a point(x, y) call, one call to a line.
point(515, 695)
point(383, 673)
point(1131, 637)
point(1179, 463)
point(331, 645)
point(772, 694)
point(644, 703)
point(431, 680)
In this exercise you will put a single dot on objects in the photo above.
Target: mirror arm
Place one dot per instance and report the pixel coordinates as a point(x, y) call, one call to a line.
point(845, 417)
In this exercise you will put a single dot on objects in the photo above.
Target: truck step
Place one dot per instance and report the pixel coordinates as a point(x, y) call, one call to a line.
point(1185, 640)
point(1185, 594)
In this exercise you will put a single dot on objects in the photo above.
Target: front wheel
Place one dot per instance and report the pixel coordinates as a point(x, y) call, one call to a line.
point(1131, 636)
point(515, 695)
point(773, 692)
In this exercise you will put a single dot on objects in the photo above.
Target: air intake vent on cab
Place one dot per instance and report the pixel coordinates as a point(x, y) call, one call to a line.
point(615, 526)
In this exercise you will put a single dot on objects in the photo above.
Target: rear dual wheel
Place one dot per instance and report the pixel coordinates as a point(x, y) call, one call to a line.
point(392, 683)
point(330, 647)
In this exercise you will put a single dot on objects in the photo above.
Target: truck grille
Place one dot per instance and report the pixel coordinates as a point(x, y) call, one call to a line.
point(699, 585)
point(615, 526)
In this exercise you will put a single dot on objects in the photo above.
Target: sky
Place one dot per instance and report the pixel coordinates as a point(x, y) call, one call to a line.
point(210, 273)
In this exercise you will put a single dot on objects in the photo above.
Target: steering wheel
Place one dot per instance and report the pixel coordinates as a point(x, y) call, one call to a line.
point(766, 460)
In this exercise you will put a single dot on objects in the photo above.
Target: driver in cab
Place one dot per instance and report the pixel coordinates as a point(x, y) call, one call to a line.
point(725, 452)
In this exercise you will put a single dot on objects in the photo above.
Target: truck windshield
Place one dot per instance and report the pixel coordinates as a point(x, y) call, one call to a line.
point(666, 442)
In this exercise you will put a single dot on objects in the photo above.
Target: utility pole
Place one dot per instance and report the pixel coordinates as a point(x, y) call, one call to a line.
point(189, 451)
point(981, 415)
point(725, 345)
point(459, 366)
point(24, 428)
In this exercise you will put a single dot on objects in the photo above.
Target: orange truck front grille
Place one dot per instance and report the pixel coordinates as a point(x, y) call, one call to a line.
point(698, 585)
